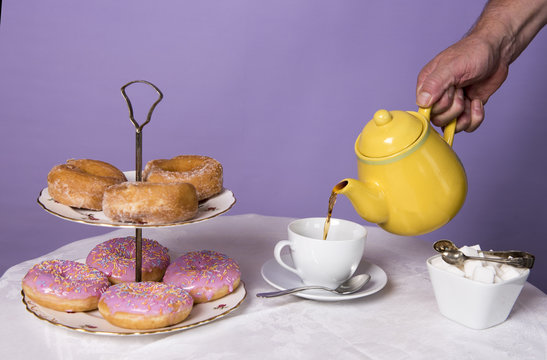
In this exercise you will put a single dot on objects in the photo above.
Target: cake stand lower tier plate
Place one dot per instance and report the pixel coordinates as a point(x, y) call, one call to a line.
point(93, 322)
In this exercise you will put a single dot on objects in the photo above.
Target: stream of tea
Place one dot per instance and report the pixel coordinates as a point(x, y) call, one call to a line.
point(332, 201)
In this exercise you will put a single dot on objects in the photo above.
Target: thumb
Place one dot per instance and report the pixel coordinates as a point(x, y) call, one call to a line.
point(432, 84)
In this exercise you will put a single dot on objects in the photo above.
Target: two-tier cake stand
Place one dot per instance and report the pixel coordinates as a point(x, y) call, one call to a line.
point(92, 322)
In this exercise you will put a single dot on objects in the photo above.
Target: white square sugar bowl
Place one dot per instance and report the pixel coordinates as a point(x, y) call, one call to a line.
point(472, 303)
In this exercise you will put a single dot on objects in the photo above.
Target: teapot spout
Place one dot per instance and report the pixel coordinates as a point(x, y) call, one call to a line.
point(367, 199)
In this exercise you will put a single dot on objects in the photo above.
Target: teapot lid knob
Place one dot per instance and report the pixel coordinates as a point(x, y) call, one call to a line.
point(389, 132)
point(382, 117)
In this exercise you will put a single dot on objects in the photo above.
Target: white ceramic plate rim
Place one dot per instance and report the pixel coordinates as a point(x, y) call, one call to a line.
point(283, 279)
point(92, 322)
point(207, 209)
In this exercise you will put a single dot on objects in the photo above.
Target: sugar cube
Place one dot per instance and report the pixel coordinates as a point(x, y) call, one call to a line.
point(508, 272)
point(484, 274)
point(441, 264)
point(471, 250)
point(469, 267)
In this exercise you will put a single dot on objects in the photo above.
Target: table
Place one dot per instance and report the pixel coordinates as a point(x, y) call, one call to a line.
point(399, 322)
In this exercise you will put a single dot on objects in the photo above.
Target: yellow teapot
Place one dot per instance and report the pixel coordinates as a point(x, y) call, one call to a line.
point(411, 182)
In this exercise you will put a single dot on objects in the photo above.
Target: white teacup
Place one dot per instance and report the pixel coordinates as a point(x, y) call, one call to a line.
point(323, 262)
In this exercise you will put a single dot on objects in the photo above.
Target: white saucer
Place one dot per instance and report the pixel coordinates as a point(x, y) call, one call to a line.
point(282, 279)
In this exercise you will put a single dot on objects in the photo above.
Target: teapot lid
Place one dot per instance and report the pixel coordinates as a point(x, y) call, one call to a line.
point(388, 133)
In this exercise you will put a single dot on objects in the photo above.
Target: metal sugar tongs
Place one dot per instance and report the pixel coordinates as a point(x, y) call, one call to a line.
point(452, 255)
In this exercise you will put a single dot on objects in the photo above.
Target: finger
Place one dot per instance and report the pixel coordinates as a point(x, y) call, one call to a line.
point(477, 115)
point(436, 78)
point(456, 109)
point(432, 85)
point(464, 120)
point(445, 102)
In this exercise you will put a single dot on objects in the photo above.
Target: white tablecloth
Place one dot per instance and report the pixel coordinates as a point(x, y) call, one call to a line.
point(399, 322)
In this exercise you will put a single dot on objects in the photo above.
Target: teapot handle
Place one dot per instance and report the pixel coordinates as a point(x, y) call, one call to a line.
point(448, 131)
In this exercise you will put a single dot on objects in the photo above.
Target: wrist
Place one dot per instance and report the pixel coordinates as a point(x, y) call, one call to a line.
point(498, 37)
point(508, 26)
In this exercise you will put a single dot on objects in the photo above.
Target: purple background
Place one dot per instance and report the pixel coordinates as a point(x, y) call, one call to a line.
point(276, 90)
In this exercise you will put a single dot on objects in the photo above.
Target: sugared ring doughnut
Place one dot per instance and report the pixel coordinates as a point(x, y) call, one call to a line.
point(152, 203)
point(81, 183)
point(116, 259)
point(206, 275)
point(203, 172)
point(145, 305)
point(65, 285)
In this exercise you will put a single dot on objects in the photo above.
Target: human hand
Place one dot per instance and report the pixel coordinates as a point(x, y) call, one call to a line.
point(460, 80)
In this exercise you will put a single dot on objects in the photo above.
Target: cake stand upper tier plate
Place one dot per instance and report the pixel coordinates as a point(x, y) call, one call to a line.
point(207, 209)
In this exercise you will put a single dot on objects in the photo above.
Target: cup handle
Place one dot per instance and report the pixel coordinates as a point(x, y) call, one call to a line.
point(277, 254)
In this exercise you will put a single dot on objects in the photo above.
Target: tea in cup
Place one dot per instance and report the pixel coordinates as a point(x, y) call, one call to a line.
point(321, 262)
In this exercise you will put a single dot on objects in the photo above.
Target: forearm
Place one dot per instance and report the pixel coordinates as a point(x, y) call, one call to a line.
point(510, 25)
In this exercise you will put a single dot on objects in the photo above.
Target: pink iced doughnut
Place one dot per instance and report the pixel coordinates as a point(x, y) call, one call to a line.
point(65, 285)
point(116, 258)
point(206, 275)
point(145, 305)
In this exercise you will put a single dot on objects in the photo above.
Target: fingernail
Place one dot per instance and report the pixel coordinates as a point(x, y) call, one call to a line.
point(451, 91)
point(477, 105)
point(423, 99)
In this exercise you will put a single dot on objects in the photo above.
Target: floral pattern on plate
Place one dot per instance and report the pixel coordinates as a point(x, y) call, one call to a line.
point(93, 322)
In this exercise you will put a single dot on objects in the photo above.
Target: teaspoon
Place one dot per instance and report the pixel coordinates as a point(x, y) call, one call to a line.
point(350, 286)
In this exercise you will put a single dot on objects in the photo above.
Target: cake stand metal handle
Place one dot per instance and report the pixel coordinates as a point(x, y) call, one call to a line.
point(138, 163)
point(139, 127)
